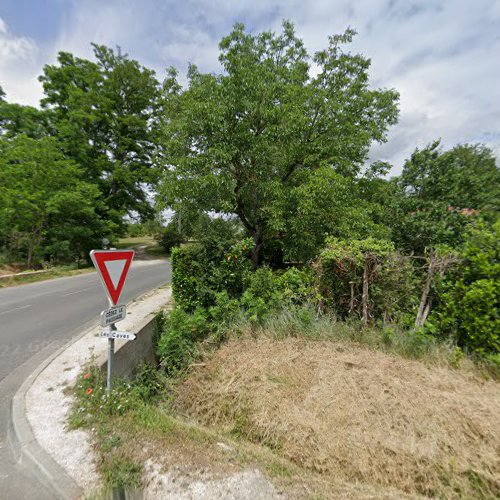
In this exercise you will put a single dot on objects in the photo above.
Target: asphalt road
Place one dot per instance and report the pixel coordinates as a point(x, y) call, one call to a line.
point(35, 321)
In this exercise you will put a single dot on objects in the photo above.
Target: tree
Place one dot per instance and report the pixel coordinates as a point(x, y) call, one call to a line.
point(46, 210)
point(238, 142)
point(104, 115)
point(16, 119)
point(439, 193)
point(325, 203)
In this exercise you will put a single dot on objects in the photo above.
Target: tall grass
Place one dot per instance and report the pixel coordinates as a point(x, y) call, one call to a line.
point(392, 339)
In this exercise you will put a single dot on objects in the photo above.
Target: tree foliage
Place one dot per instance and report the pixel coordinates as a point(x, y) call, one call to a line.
point(469, 301)
point(439, 193)
point(48, 211)
point(240, 141)
point(104, 114)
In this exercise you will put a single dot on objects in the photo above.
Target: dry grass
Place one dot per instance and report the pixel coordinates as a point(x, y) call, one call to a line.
point(348, 413)
point(187, 452)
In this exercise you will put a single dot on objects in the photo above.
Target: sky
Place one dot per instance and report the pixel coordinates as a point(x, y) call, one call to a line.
point(443, 57)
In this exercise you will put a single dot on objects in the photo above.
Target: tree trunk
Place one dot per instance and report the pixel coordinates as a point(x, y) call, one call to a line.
point(424, 307)
point(427, 310)
point(351, 302)
point(364, 299)
point(30, 254)
point(257, 247)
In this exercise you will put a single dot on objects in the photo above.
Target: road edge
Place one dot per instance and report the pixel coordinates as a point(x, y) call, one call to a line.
point(26, 448)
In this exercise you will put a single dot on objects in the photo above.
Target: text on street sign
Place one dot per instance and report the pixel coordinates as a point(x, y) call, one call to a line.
point(116, 334)
point(113, 315)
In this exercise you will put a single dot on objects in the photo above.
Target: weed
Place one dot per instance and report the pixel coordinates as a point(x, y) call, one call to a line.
point(121, 472)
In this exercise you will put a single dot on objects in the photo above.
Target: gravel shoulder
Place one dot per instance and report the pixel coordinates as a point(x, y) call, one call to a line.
point(48, 403)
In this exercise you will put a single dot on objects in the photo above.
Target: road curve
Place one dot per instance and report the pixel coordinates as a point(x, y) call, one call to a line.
point(35, 321)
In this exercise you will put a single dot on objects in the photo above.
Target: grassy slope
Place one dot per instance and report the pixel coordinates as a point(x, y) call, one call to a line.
point(56, 272)
point(322, 418)
point(345, 412)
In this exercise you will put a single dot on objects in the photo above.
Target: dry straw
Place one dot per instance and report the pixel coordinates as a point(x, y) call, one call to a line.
point(348, 412)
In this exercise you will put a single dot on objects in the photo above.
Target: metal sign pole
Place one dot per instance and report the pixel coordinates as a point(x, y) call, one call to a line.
point(111, 355)
point(112, 266)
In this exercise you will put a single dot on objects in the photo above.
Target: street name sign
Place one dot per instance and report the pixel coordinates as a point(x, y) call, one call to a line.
point(113, 315)
point(112, 266)
point(116, 334)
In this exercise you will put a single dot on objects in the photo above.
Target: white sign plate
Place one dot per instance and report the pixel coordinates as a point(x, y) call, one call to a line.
point(115, 334)
point(113, 315)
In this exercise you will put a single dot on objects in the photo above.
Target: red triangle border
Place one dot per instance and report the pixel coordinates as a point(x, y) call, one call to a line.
point(99, 258)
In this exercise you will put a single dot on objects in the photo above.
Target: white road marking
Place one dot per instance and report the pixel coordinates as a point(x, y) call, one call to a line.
point(16, 309)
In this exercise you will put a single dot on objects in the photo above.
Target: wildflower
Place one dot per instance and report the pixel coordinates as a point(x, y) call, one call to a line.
point(86, 376)
point(88, 391)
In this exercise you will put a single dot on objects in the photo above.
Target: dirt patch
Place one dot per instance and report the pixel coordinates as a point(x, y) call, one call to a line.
point(345, 412)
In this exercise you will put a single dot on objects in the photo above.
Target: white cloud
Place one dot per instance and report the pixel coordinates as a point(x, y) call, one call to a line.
point(440, 55)
point(18, 57)
point(14, 48)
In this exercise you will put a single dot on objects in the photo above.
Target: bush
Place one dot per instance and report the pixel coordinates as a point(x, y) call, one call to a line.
point(468, 308)
point(342, 268)
point(267, 292)
point(176, 346)
point(200, 272)
point(225, 311)
point(169, 238)
point(298, 286)
point(262, 295)
point(216, 236)
point(479, 317)
point(190, 275)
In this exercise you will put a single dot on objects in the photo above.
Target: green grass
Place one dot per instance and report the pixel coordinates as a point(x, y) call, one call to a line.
point(140, 411)
point(391, 339)
point(55, 272)
point(131, 242)
point(152, 247)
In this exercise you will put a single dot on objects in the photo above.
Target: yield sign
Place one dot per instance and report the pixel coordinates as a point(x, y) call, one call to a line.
point(113, 266)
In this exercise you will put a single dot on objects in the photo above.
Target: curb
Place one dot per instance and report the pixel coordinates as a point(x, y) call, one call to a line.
point(26, 448)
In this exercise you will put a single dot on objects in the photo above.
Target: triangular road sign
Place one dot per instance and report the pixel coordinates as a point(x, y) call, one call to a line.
point(112, 266)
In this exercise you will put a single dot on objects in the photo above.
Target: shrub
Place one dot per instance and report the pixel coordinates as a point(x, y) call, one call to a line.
point(216, 236)
point(298, 286)
point(224, 312)
point(345, 268)
point(262, 295)
point(169, 237)
point(176, 346)
point(190, 277)
point(199, 273)
point(468, 308)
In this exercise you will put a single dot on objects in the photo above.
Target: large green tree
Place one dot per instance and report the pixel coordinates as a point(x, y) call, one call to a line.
point(440, 192)
point(242, 141)
point(104, 114)
point(17, 119)
point(47, 212)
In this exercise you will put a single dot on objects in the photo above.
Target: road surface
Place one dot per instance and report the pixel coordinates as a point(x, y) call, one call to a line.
point(35, 321)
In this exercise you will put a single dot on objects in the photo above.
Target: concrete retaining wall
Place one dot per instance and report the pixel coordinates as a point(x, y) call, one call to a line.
point(128, 355)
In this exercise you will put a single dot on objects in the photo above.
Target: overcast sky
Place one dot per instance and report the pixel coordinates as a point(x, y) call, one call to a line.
point(442, 56)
